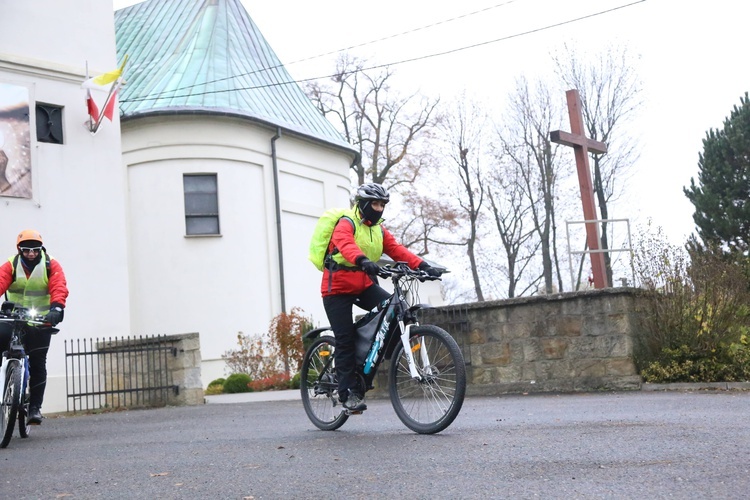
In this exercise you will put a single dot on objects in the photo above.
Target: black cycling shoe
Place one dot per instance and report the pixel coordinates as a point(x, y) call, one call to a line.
point(354, 402)
point(35, 417)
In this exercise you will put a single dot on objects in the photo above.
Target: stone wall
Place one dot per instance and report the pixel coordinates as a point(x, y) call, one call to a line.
point(568, 342)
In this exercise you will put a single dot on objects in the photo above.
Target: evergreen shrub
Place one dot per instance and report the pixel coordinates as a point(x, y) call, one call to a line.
point(237, 382)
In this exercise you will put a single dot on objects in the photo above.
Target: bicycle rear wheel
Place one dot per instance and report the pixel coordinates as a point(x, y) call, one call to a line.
point(10, 402)
point(430, 403)
point(319, 387)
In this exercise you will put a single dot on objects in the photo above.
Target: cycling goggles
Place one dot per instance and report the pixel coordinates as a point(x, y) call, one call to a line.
point(31, 249)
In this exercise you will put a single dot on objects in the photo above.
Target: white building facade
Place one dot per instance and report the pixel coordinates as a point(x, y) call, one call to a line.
point(72, 191)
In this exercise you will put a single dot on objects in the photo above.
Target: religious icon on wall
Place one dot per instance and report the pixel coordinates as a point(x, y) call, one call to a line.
point(15, 147)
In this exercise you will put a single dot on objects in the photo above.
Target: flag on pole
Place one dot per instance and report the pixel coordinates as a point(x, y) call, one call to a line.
point(93, 109)
point(105, 81)
point(109, 82)
point(109, 107)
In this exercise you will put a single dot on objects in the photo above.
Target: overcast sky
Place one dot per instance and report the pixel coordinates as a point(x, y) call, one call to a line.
point(693, 64)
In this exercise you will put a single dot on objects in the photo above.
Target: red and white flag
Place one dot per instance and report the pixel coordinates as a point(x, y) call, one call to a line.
point(109, 107)
point(93, 109)
point(109, 82)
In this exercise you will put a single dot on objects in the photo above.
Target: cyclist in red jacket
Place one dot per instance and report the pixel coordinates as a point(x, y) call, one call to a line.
point(350, 278)
point(33, 279)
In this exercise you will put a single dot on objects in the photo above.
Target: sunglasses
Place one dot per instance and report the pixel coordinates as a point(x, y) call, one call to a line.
point(31, 249)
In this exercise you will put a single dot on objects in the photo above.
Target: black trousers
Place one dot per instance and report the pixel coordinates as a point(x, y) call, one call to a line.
point(339, 309)
point(36, 344)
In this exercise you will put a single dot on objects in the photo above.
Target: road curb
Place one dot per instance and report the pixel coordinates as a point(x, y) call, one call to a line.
point(697, 386)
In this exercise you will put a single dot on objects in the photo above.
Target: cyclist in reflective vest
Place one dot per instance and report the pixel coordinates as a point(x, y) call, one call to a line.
point(350, 278)
point(34, 279)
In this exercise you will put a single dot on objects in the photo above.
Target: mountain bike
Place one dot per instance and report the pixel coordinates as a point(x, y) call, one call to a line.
point(427, 374)
point(14, 370)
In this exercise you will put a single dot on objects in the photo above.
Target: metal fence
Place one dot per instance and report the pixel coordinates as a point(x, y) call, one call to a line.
point(119, 372)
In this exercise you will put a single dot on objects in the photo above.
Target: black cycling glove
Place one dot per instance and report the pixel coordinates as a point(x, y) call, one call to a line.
point(55, 314)
point(368, 266)
point(431, 271)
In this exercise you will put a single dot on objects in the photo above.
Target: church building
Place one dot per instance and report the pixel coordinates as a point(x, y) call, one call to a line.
point(191, 209)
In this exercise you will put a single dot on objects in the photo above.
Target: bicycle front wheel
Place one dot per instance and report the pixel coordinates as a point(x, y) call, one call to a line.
point(429, 403)
point(319, 387)
point(23, 413)
point(11, 402)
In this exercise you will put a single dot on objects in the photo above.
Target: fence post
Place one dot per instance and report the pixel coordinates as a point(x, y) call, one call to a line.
point(186, 369)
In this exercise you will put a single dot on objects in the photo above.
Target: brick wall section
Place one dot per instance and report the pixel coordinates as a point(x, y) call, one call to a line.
point(568, 342)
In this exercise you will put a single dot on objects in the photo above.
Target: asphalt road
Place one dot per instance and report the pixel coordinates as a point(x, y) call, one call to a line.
point(602, 445)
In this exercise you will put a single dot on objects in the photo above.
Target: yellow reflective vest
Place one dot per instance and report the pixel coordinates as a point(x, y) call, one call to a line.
point(33, 291)
point(369, 239)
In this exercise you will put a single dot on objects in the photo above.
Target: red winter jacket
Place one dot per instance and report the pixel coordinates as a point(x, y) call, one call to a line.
point(355, 282)
point(57, 285)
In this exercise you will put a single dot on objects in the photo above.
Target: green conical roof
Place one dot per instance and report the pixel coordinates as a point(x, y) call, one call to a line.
point(207, 56)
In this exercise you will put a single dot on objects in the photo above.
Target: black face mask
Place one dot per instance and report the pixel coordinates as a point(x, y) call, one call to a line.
point(368, 213)
point(31, 263)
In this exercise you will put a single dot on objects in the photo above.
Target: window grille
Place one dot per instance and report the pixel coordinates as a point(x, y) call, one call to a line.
point(201, 204)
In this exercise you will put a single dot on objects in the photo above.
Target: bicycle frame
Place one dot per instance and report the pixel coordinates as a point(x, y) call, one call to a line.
point(15, 354)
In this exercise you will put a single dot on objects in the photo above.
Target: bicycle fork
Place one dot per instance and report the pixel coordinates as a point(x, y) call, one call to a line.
point(3, 371)
point(409, 350)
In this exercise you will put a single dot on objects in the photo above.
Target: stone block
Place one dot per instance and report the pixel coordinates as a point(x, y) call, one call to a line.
point(506, 374)
point(540, 328)
point(590, 368)
point(477, 336)
point(518, 330)
point(619, 323)
point(522, 314)
point(517, 355)
point(191, 342)
point(475, 354)
point(554, 348)
point(583, 348)
point(569, 326)
point(532, 350)
point(496, 353)
point(481, 376)
point(620, 367)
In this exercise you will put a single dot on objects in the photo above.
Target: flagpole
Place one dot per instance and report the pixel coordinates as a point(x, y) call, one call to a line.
point(88, 98)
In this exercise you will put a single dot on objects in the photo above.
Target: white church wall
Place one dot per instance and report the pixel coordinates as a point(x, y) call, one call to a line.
point(78, 190)
point(221, 285)
point(43, 32)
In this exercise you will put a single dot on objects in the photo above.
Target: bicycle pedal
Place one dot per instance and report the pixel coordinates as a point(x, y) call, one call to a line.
point(353, 412)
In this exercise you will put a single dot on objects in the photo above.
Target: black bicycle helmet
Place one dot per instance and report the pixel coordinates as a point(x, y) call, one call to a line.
point(372, 191)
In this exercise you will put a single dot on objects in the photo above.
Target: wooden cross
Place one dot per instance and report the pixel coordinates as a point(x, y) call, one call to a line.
point(581, 146)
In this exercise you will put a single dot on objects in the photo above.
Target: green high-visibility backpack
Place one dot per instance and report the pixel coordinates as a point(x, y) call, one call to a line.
point(321, 237)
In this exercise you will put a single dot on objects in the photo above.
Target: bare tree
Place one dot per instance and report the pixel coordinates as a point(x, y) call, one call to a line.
point(463, 129)
point(421, 218)
point(524, 143)
point(610, 96)
point(510, 210)
point(383, 126)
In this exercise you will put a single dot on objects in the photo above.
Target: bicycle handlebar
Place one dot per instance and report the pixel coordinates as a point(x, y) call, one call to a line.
point(11, 312)
point(402, 269)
